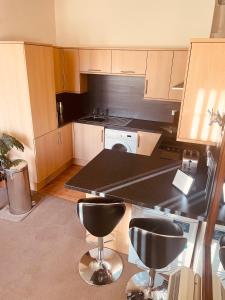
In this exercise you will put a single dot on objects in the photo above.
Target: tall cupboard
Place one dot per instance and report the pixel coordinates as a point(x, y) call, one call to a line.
point(28, 105)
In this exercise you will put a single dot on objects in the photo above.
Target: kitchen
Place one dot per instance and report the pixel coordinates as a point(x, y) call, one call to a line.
point(129, 117)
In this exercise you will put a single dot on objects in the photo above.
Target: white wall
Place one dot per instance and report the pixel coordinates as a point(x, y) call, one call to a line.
point(132, 22)
point(29, 20)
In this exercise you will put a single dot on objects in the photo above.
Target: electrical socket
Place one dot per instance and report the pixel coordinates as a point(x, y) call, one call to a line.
point(173, 112)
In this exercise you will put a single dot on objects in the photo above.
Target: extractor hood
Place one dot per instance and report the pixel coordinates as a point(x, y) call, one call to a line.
point(178, 87)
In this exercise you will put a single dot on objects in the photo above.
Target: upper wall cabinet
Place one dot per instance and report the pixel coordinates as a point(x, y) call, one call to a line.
point(74, 82)
point(129, 62)
point(165, 74)
point(159, 66)
point(204, 92)
point(67, 71)
point(178, 74)
point(95, 61)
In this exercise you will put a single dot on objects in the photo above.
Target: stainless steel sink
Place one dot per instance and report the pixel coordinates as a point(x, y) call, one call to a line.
point(106, 120)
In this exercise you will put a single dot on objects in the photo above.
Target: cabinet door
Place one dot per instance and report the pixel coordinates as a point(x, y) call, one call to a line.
point(66, 145)
point(40, 70)
point(88, 141)
point(159, 65)
point(95, 61)
point(46, 148)
point(129, 62)
point(178, 74)
point(204, 91)
point(73, 81)
point(147, 142)
point(58, 70)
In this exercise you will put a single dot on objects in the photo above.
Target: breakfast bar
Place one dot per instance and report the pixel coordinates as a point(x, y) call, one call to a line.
point(143, 181)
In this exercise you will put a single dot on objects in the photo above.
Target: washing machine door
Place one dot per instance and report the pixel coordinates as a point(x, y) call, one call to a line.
point(121, 146)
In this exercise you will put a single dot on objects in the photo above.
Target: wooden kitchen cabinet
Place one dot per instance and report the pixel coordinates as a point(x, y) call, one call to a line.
point(74, 82)
point(204, 92)
point(178, 74)
point(46, 150)
point(88, 141)
point(40, 73)
point(95, 60)
point(67, 71)
point(28, 107)
point(58, 70)
point(52, 151)
point(147, 142)
point(66, 145)
point(157, 83)
point(129, 62)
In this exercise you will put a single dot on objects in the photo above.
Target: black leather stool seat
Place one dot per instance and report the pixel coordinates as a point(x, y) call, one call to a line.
point(100, 266)
point(157, 241)
point(222, 250)
point(100, 215)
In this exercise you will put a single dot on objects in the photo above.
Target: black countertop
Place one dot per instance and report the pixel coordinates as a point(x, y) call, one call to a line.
point(141, 180)
point(166, 129)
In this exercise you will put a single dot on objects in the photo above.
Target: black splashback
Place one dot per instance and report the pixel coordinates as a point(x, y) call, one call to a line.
point(123, 96)
point(73, 105)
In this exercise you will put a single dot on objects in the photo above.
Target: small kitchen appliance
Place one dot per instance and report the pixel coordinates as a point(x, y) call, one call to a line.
point(190, 161)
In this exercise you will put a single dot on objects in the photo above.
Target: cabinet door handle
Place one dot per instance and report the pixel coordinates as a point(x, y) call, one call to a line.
point(127, 72)
point(94, 70)
point(59, 138)
point(57, 118)
point(146, 86)
point(138, 141)
point(102, 136)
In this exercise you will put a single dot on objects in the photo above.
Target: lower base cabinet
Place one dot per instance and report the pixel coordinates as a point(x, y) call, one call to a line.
point(88, 141)
point(65, 149)
point(53, 151)
point(147, 142)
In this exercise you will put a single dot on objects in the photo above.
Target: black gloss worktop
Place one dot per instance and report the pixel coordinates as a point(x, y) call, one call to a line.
point(141, 180)
point(166, 129)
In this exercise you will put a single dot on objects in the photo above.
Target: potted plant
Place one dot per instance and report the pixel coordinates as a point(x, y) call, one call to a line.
point(7, 142)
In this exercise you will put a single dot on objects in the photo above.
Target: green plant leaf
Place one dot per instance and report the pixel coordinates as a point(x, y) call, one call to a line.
point(5, 162)
point(4, 148)
point(16, 162)
point(11, 142)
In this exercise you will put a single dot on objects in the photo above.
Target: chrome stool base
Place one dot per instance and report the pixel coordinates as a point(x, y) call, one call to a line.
point(96, 272)
point(138, 287)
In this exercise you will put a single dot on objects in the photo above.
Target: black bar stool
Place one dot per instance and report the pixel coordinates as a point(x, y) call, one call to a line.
point(100, 266)
point(157, 242)
point(222, 250)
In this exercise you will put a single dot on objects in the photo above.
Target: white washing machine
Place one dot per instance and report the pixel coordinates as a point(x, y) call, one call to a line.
point(124, 141)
